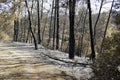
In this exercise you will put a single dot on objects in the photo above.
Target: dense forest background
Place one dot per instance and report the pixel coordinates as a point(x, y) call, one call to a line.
point(66, 25)
point(44, 23)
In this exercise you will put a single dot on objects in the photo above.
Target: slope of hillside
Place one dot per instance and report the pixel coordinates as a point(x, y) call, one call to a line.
point(20, 61)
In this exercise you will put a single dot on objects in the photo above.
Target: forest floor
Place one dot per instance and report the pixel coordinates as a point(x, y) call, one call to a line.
point(19, 61)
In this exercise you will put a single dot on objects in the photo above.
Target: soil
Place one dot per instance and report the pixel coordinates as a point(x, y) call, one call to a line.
point(18, 63)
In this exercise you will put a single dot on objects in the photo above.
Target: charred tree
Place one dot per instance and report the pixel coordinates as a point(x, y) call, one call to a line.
point(39, 22)
point(97, 21)
point(71, 28)
point(30, 27)
point(57, 30)
point(91, 31)
point(50, 30)
point(16, 30)
point(106, 27)
point(54, 28)
point(41, 9)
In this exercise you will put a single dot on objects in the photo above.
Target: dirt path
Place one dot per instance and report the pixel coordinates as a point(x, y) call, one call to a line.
point(23, 63)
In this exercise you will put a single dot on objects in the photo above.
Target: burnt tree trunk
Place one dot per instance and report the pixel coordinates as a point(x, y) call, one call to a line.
point(57, 30)
point(71, 28)
point(106, 27)
point(16, 30)
point(39, 22)
point(91, 31)
point(50, 30)
point(30, 28)
point(54, 29)
point(97, 21)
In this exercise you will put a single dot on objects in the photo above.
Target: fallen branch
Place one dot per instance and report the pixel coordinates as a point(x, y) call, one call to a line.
point(69, 62)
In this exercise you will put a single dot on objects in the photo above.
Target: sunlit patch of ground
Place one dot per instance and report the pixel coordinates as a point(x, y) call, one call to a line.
point(22, 65)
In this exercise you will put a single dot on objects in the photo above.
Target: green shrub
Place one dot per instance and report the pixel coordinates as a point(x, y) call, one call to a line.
point(105, 67)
